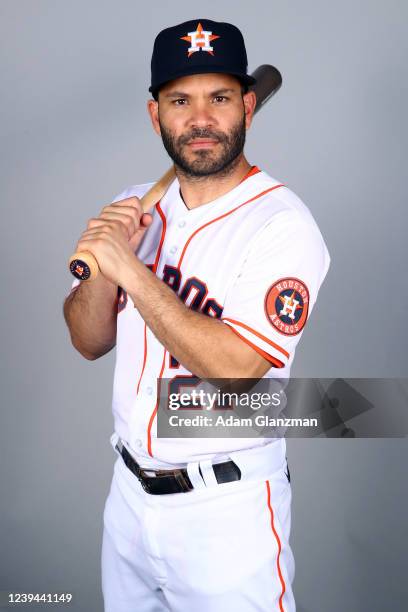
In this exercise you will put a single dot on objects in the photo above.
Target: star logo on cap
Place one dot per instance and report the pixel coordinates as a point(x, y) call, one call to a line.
point(200, 40)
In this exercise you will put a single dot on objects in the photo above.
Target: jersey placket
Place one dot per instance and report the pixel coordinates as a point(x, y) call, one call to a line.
point(143, 418)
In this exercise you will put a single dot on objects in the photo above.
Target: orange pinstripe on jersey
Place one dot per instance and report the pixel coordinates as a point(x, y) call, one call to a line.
point(264, 338)
point(222, 217)
point(273, 360)
point(154, 268)
point(144, 357)
point(253, 170)
point(152, 416)
point(268, 490)
point(164, 227)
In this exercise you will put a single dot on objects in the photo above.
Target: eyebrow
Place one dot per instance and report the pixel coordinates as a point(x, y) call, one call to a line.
point(182, 94)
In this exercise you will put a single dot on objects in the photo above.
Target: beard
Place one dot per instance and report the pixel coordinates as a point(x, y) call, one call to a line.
point(205, 162)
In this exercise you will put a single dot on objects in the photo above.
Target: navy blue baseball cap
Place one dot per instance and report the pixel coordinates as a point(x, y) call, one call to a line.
point(197, 47)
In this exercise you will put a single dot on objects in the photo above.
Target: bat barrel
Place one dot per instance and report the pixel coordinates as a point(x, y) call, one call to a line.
point(268, 82)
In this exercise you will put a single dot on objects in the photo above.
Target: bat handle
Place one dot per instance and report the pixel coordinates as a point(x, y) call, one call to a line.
point(83, 265)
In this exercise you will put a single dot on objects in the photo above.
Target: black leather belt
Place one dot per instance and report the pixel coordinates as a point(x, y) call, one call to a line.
point(174, 481)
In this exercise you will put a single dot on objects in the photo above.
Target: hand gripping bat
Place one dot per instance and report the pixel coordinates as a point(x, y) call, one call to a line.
point(268, 81)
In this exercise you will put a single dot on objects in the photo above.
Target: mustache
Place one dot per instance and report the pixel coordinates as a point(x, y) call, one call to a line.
point(202, 133)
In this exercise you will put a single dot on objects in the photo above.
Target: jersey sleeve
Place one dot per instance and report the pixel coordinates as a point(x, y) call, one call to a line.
point(271, 299)
point(134, 190)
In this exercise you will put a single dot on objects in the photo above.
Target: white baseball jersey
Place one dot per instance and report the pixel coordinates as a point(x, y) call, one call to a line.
point(255, 259)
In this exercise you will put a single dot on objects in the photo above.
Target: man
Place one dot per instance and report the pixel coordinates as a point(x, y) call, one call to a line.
point(218, 282)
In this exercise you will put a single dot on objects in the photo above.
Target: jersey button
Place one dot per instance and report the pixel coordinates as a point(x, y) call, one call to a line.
point(182, 223)
point(173, 250)
point(138, 443)
point(149, 390)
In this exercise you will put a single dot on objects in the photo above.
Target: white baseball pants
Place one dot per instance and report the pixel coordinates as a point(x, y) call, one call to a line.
point(215, 548)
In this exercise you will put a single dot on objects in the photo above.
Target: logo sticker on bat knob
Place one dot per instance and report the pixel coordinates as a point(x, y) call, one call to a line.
point(287, 305)
point(80, 269)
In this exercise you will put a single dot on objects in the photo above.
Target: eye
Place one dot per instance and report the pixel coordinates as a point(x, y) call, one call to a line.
point(180, 102)
point(220, 99)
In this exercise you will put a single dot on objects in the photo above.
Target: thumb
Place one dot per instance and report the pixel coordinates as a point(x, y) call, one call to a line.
point(146, 219)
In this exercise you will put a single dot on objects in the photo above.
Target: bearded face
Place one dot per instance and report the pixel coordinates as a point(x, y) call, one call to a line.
point(202, 122)
point(202, 151)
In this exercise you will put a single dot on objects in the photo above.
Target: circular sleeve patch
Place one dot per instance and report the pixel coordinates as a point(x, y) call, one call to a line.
point(286, 305)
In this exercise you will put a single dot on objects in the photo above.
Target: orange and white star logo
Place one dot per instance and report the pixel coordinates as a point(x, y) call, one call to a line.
point(200, 39)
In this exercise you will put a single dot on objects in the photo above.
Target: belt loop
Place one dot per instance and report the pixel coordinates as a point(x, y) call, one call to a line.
point(193, 472)
point(207, 472)
point(114, 440)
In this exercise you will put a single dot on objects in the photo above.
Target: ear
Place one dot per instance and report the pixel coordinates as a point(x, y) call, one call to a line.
point(249, 106)
point(153, 110)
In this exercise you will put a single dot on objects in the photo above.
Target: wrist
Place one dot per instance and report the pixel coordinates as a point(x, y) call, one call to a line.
point(129, 277)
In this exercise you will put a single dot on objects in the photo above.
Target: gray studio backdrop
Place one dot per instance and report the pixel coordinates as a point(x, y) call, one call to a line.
point(74, 133)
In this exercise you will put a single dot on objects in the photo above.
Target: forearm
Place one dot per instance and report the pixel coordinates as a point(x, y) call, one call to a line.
point(202, 344)
point(90, 312)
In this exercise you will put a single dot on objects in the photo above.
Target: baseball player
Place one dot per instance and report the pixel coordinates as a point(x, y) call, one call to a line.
point(217, 282)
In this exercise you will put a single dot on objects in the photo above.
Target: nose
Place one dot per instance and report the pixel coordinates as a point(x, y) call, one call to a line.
point(201, 115)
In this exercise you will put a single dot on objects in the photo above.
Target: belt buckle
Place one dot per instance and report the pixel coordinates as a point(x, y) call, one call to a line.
point(144, 483)
point(141, 475)
point(138, 471)
point(182, 481)
point(180, 478)
point(144, 474)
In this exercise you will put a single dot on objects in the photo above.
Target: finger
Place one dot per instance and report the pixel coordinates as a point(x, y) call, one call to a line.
point(130, 210)
point(86, 244)
point(109, 222)
point(133, 202)
point(105, 231)
point(130, 222)
point(129, 215)
point(94, 241)
point(122, 211)
point(92, 231)
point(146, 220)
point(95, 222)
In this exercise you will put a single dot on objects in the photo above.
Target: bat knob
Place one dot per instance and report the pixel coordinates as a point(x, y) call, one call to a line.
point(83, 266)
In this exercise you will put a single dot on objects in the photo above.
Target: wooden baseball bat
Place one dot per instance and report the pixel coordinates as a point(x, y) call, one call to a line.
point(83, 265)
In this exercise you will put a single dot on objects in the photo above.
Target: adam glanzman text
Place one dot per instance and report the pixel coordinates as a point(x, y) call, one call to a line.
point(260, 420)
